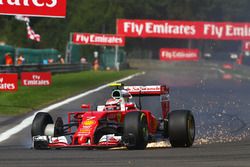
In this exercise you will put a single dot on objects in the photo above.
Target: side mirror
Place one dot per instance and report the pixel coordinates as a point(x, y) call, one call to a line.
point(85, 106)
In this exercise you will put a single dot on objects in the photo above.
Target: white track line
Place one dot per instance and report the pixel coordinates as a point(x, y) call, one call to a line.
point(219, 70)
point(27, 121)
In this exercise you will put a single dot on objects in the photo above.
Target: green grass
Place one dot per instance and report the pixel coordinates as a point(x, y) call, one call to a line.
point(27, 99)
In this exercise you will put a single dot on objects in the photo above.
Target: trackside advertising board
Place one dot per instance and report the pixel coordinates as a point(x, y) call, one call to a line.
point(173, 54)
point(43, 8)
point(8, 82)
point(35, 78)
point(98, 39)
point(183, 29)
point(246, 46)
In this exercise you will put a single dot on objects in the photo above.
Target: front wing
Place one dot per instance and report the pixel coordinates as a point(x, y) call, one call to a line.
point(47, 142)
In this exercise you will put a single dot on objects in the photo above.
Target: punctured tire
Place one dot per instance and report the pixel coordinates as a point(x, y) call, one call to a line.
point(39, 123)
point(181, 128)
point(135, 131)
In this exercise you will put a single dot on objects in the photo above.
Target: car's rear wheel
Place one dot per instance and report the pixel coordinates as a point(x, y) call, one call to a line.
point(181, 128)
point(135, 134)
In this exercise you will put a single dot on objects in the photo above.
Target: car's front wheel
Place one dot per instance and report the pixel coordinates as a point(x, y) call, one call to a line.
point(39, 123)
point(38, 128)
point(135, 131)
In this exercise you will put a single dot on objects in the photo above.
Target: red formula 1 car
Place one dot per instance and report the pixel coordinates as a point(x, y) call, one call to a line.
point(117, 123)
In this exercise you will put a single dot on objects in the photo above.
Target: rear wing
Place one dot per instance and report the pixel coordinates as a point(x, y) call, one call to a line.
point(153, 90)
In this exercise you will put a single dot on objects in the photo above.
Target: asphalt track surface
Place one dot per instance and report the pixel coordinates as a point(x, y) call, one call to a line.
point(219, 102)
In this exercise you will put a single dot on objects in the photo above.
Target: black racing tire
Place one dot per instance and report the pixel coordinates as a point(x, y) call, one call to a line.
point(165, 133)
point(181, 128)
point(135, 134)
point(58, 131)
point(39, 123)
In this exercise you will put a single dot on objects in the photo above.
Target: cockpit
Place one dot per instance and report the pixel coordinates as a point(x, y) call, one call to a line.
point(119, 101)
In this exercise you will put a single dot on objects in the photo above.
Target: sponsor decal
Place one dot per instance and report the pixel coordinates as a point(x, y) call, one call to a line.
point(36, 78)
point(142, 88)
point(98, 39)
point(89, 122)
point(8, 82)
point(167, 54)
point(44, 8)
point(145, 90)
point(183, 29)
point(85, 130)
point(246, 46)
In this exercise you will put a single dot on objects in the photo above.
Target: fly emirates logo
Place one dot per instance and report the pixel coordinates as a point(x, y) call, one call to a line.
point(6, 86)
point(36, 81)
point(98, 39)
point(183, 29)
point(27, 3)
point(148, 28)
point(226, 30)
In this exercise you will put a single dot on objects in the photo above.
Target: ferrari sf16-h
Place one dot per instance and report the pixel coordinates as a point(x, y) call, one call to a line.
point(119, 122)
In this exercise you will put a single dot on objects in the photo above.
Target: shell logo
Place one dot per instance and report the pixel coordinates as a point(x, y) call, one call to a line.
point(89, 122)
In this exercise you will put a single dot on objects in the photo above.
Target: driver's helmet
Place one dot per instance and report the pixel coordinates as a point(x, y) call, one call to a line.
point(112, 104)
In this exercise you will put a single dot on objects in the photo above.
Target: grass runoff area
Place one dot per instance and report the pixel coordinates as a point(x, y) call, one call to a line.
point(27, 99)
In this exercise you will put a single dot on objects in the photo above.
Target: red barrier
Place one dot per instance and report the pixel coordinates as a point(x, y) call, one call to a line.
point(245, 45)
point(51, 8)
point(183, 29)
point(8, 82)
point(35, 78)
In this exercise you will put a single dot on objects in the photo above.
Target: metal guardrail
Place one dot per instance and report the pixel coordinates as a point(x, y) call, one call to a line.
point(53, 68)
